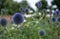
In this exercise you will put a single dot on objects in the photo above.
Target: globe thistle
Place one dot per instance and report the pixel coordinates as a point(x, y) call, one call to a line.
point(26, 10)
point(3, 22)
point(57, 12)
point(18, 18)
point(41, 33)
point(21, 9)
point(54, 19)
point(38, 4)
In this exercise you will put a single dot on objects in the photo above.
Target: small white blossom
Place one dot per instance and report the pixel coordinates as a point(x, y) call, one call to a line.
point(48, 15)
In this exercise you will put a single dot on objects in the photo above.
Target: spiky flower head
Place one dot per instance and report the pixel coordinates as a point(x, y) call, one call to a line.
point(21, 8)
point(38, 4)
point(26, 10)
point(54, 19)
point(41, 33)
point(3, 22)
point(56, 13)
point(18, 18)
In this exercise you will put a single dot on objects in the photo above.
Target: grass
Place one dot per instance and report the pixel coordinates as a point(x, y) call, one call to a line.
point(29, 29)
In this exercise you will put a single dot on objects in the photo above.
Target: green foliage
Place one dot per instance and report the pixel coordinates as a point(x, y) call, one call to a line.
point(56, 2)
point(44, 4)
point(9, 6)
point(29, 29)
point(24, 4)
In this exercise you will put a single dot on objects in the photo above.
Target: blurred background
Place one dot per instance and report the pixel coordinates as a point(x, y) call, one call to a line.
point(41, 19)
point(12, 6)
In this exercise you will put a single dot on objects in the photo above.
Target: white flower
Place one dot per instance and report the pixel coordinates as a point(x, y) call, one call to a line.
point(30, 15)
point(19, 26)
point(30, 11)
point(54, 6)
point(39, 13)
point(14, 25)
point(24, 20)
point(48, 15)
point(12, 28)
point(48, 10)
point(36, 21)
point(53, 11)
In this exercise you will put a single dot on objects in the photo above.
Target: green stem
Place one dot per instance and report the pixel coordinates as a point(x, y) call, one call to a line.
point(42, 17)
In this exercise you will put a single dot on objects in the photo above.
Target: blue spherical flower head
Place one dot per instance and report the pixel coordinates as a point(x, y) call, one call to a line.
point(21, 9)
point(18, 18)
point(42, 33)
point(26, 10)
point(54, 19)
point(3, 22)
point(57, 12)
point(38, 4)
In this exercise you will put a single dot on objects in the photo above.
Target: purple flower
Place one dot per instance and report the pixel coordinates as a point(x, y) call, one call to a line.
point(41, 33)
point(26, 10)
point(54, 19)
point(3, 22)
point(57, 12)
point(21, 8)
point(18, 18)
point(38, 4)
